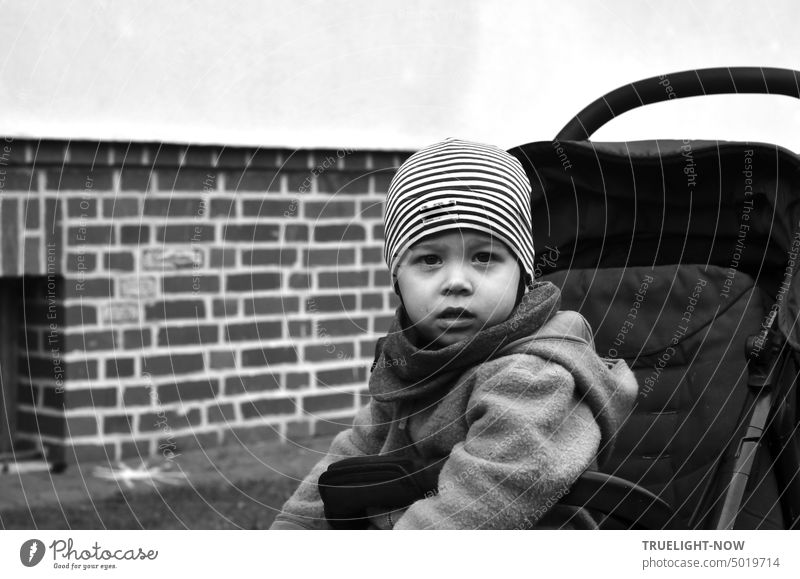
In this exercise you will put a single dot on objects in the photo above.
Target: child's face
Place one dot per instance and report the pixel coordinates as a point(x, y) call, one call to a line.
point(456, 283)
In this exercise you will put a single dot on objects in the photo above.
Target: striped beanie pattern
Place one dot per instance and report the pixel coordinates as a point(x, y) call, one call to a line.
point(459, 184)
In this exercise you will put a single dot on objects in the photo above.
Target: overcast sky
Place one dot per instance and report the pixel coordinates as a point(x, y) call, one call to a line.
point(369, 73)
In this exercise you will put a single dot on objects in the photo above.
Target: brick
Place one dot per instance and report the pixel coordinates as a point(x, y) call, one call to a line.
point(259, 383)
point(188, 390)
point(131, 153)
point(340, 376)
point(9, 237)
point(81, 261)
point(137, 396)
point(222, 359)
point(316, 257)
point(89, 341)
point(136, 339)
point(80, 179)
point(394, 300)
point(262, 306)
point(251, 282)
point(184, 179)
point(252, 180)
point(222, 208)
point(380, 182)
point(370, 209)
point(367, 348)
point(222, 257)
point(81, 426)
point(135, 234)
point(173, 206)
point(298, 430)
point(21, 179)
point(118, 261)
point(371, 301)
point(186, 233)
point(220, 413)
point(118, 424)
point(338, 182)
point(81, 370)
point(285, 207)
point(251, 232)
point(199, 156)
point(253, 331)
point(175, 310)
point(299, 328)
point(32, 256)
point(87, 153)
point(163, 259)
point(167, 155)
point(94, 397)
point(381, 324)
point(325, 160)
point(328, 351)
point(82, 207)
point(297, 380)
point(294, 233)
point(338, 278)
point(229, 157)
point(328, 209)
point(183, 335)
point(172, 364)
point(169, 421)
point(327, 402)
point(381, 278)
point(136, 179)
point(300, 281)
point(267, 407)
point(198, 283)
point(377, 232)
point(339, 233)
point(41, 423)
point(262, 158)
point(355, 159)
point(385, 161)
point(268, 356)
point(225, 308)
point(121, 207)
point(281, 257)
point(371, 255)
point(342, 326)
point(31, 213)
point(27, 394)
point(119, 367)
point(91, 235)
point(331, 303)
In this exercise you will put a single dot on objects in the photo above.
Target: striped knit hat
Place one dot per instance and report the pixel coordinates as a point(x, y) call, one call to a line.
point(459, 185)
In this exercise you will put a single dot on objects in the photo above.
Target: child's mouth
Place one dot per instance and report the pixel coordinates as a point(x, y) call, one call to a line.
point(456, 318)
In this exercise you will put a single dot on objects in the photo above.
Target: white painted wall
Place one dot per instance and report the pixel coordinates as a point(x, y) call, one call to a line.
point(370, 73)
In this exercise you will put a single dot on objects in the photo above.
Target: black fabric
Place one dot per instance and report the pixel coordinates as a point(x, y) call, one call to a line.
point(682, 329)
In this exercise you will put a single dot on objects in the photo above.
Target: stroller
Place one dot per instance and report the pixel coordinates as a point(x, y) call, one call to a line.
point(682, 255)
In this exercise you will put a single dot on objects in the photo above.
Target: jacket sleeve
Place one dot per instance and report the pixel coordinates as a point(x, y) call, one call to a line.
point(304, 509)
point(529, 438)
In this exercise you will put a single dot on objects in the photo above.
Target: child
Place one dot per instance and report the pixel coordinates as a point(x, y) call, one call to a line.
point(512, 425)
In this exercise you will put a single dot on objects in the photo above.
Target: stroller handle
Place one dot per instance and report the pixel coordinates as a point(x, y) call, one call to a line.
point(701, 82)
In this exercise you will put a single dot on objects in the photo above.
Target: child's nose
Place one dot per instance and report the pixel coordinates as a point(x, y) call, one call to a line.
point(457, 281)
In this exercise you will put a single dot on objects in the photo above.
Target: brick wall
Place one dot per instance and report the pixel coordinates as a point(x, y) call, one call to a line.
point(177, 296)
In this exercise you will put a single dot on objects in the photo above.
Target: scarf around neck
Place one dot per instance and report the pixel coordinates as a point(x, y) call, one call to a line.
point(404, 372)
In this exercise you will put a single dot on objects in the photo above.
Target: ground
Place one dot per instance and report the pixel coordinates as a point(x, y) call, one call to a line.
point(227, 487)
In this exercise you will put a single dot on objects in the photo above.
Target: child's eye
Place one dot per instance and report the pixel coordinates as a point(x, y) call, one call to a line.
point(484, 256)
point(430, 259)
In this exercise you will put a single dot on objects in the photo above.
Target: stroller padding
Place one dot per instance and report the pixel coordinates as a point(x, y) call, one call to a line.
point(682, 329)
